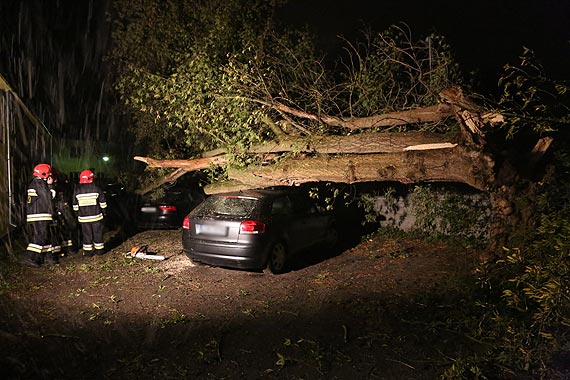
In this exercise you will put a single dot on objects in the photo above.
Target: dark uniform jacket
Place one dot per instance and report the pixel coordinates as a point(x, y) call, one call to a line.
point(39, 206)
point(89, 203)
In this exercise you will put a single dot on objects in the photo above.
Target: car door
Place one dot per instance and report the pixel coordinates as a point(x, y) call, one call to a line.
point(309, 224)
point(281, 225)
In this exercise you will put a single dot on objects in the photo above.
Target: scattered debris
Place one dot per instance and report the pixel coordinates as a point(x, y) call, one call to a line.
point(141, 252)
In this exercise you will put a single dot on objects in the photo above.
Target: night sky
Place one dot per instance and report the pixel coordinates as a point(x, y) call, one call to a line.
point(484, 34)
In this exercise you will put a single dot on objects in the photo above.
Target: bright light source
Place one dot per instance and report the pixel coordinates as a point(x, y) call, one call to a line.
point(105, 158)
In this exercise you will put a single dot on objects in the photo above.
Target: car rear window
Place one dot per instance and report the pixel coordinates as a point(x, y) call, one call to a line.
point(227, 206)
point(173, 196)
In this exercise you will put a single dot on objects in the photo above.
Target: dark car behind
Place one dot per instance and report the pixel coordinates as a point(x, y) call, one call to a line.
point(168, 210)
point(256, 229)
point(119, 211)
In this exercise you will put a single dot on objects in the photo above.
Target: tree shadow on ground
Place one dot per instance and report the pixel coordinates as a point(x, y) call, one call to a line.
point(353, 339)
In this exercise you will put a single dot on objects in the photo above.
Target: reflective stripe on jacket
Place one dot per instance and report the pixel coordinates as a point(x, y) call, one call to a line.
point(39, 206)
point(89, 203)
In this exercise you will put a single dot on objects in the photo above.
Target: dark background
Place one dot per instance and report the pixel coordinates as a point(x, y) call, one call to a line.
point(484, 34)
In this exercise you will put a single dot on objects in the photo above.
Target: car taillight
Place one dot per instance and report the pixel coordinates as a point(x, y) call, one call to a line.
point(251, 227)
point(186, 223)
point(167, 208)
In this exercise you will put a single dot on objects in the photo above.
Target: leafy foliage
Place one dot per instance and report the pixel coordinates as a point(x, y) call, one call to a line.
point(198, 76)
point(175, 86)
point(445, 212)
point(390, 71)
point(524, 305)
point(533, 102)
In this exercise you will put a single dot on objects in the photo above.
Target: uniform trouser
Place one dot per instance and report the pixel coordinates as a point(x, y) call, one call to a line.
point(61, 238)
point(38, 240)
point(92, 237)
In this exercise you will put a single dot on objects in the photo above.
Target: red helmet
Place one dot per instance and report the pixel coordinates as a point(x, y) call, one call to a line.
point(86, 176)
point(42, 171)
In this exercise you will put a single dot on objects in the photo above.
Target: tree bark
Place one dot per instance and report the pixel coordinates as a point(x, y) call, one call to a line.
point(187, 165)
point(435, 113)
point(166, 179)
point(364, 157)
point(361, 143)
point(441, 165)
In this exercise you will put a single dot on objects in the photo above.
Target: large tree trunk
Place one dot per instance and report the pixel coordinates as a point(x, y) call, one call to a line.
point(402, 157)
point(361, 143)
point(438, 165)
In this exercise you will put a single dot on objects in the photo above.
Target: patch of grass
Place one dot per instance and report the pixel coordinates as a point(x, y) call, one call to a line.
point(152, 269)
point(100, 314)
point(390, 233)
point(70, 267)
point(104, 281)
point(322, 275)
point(400, 253)
point(77, 293)
point(87, 267)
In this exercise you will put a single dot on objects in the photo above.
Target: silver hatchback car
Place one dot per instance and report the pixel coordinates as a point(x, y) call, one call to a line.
point(256, 229)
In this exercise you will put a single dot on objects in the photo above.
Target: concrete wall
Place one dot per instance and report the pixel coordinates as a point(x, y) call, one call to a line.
point(398, 211)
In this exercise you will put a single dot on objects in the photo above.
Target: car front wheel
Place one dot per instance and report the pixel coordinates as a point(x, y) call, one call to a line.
point(277, 258)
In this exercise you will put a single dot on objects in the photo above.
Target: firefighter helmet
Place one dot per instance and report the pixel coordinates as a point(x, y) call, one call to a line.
point(86, 176)
point(42, 171)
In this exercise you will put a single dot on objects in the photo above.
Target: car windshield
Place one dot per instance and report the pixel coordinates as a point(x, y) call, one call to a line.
point(227, 205)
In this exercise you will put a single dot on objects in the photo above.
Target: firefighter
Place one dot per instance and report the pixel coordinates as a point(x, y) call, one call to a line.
point(39, 217)
point(53, 228)
point(70, 229)
point(64, 220)
point(89, 203)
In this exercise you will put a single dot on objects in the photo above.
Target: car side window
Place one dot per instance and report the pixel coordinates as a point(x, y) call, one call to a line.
point(303, 205)
point(281, 206)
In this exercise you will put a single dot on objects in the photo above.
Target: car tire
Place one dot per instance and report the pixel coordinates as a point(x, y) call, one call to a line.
point(277, 258)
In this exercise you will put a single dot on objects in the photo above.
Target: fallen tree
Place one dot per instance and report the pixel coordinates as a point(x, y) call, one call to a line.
point(371, 156)
point(410, 157)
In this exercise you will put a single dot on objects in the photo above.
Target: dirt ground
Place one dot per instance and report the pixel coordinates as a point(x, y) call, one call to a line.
point(373, 311)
